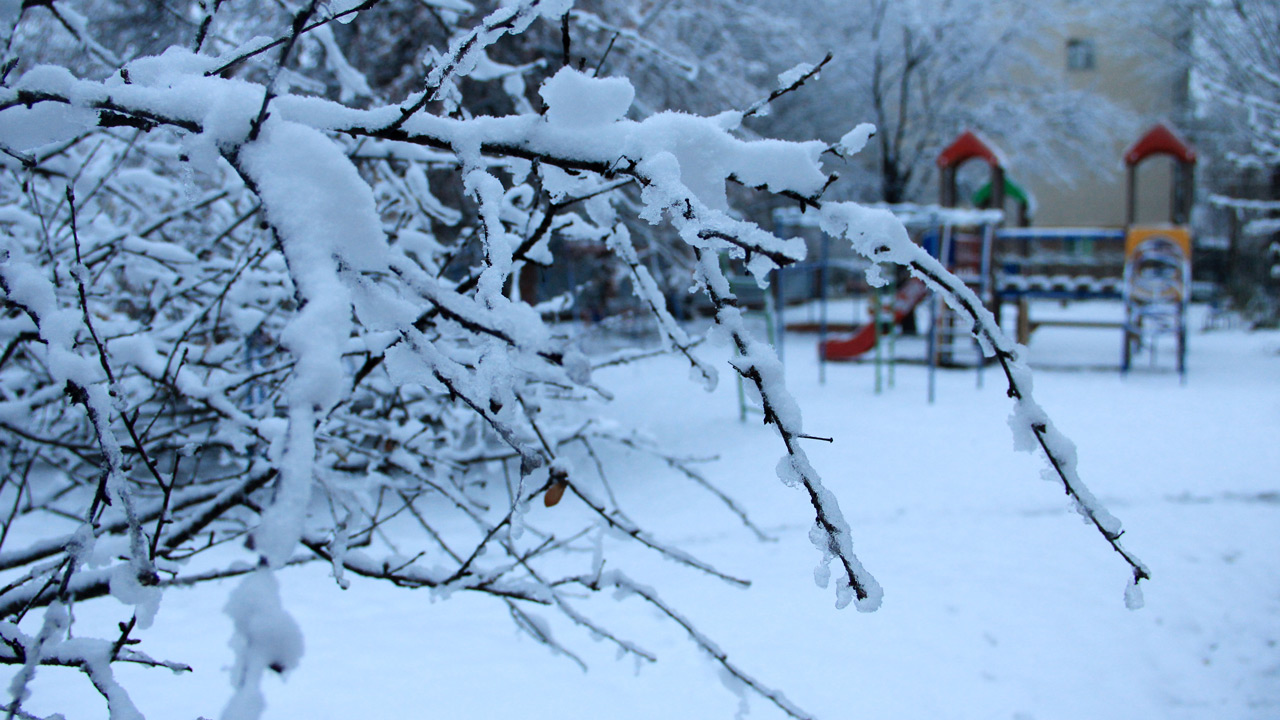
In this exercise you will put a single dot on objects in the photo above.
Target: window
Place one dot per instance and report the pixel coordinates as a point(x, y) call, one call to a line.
point(1080, 54)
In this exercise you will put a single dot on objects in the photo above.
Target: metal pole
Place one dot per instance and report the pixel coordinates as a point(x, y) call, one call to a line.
point(935, 316)
point(780, 309)
point(779, 299)
point(876, 308)
point(933, 345)
point(988, 238)
point(944, 313)
point(822, 310)
point(893, 349)
point(1131, 194)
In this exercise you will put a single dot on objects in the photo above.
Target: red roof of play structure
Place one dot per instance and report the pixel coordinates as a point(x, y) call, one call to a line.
point(965, 147)
point(1159, 140)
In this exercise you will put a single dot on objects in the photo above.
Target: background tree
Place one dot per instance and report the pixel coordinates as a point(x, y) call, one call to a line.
point(1235, 55)
point(697, 57)
point(922, 71)
point(259, 311)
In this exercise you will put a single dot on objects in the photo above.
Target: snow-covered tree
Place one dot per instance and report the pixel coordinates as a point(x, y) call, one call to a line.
point(1235, 53)
point(923, 71)
point(693, 56)
point(260, 310)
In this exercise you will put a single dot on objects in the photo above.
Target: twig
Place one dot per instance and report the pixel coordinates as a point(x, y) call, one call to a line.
point(704, 643)
point(791, 87)
point(299, 26)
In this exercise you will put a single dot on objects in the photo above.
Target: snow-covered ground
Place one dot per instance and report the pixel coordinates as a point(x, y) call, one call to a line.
point(999, 602)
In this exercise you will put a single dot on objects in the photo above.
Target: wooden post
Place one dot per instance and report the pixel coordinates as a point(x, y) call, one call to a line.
point(947, 191)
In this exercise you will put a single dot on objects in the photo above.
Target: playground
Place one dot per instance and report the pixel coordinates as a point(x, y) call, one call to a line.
point(1133, 281)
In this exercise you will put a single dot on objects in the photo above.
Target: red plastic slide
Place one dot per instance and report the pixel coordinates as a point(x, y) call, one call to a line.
point(904, 301)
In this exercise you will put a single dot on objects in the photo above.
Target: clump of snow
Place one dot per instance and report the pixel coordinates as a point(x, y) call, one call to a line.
point(1133, 598)
point(488, 193)
point(792, 76)
point(325, 216)
point(561, 467)
point(1025, 417)
point(130, 590)
point(547, 9)
point(575, 99)
point(739, 688)
point(266, 638)
point(688, 154)
point(352, 82)
point(853, 141)
point(876, 233)
point(339, 7)
point(875, 276)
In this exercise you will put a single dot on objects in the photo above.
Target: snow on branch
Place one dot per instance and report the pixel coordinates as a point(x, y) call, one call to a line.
point(879, 236)
point(246, 329)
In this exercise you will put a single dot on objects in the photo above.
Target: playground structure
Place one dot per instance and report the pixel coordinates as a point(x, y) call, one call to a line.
point(1157, 269)
point(1147, 267)
point(939, 228)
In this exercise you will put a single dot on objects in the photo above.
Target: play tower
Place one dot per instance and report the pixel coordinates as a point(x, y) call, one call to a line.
point(1148, 266)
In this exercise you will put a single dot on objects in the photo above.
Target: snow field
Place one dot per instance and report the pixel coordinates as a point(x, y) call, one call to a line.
point(999, 602)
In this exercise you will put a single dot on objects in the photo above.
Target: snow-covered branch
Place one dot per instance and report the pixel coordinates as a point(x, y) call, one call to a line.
point(247, 328)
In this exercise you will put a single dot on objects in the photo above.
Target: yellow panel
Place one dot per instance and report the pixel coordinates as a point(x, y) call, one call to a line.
point(1179, 235)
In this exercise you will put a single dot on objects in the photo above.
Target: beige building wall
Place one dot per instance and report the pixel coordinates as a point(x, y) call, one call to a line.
point(1127, 56)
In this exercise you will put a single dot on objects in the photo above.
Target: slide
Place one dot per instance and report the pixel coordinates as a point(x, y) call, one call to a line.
point(904, 301)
